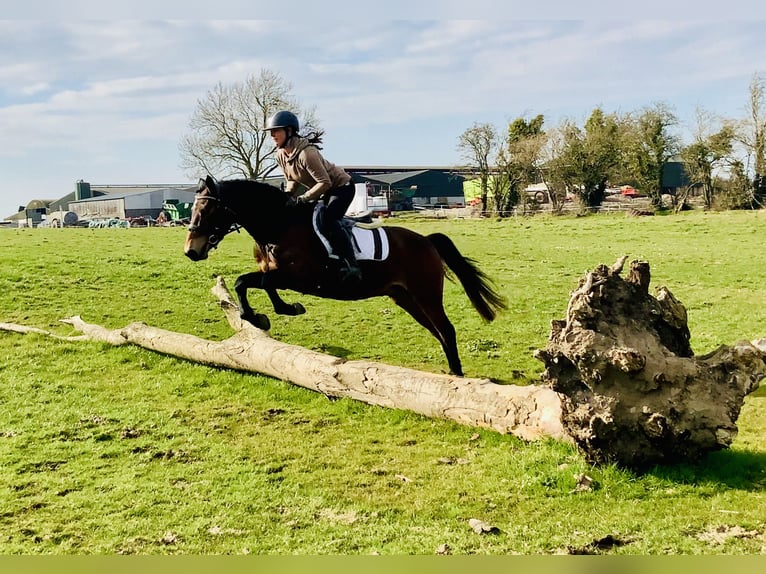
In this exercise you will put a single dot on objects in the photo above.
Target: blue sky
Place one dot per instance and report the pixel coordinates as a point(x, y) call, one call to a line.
point(107, 100)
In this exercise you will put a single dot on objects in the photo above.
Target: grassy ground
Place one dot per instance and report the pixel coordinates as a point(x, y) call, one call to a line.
point(107, 450)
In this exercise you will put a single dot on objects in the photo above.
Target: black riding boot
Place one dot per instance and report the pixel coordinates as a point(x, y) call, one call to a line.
point(341, 246)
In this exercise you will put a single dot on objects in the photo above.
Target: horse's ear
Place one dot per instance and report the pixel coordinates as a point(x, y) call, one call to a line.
point(201, 185)
point(211, 184)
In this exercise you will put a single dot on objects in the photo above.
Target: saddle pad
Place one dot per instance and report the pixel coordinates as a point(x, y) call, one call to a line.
point(369, 244)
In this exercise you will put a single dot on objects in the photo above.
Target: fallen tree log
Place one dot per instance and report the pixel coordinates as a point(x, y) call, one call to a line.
point(530, 412)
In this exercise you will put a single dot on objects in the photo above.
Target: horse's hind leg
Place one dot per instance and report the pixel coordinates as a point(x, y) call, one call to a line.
point(429, 312)
point(244, 282)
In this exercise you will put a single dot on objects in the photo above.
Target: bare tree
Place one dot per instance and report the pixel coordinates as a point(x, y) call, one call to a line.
point(553, 170)
point(226, 137)
point(500, 184)
point(752, 136)
point(477, 144)
point(710, 151)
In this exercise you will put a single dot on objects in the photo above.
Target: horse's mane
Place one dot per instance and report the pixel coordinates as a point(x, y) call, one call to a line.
point(261, 207)
point(249, 194)
point(264, 190)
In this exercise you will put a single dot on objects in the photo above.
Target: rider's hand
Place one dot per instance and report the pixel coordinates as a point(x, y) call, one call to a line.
point(302, 198)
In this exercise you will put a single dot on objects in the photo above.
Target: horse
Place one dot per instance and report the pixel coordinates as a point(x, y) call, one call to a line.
point(291, 255)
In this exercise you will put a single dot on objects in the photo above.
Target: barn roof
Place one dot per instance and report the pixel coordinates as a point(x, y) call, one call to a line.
point(18, 216)
point(38, 204)
point(392, 178)
point(125, 190)
point(62, 203)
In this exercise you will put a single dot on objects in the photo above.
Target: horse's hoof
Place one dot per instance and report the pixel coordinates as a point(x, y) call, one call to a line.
point(261, 321)
point(257, 320)
point(298, 309)
point(290, 309)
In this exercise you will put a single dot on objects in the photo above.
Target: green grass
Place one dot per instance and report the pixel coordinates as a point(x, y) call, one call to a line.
point(107, 450)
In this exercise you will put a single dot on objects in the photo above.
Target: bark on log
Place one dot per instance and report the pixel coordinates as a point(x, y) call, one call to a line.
point(529, 412)
point(633, 392)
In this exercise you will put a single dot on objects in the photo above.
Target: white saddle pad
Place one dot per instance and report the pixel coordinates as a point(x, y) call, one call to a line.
point(370, 244)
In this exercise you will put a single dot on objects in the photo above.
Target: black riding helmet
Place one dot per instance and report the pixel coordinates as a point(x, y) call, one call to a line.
point(283, 119)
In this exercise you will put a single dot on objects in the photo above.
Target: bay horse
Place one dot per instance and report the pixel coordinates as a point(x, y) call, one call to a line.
point(290, 255)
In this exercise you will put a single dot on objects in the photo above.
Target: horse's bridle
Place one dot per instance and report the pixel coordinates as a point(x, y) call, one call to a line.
point(217, 232)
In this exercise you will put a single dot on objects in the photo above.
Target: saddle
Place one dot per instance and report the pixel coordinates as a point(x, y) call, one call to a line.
point(363, 220)
point(367, 237)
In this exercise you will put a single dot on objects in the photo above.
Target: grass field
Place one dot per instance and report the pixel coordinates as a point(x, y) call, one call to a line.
point(117, 450)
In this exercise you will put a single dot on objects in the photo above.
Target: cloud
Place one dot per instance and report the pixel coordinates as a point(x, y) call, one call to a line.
point(36, 88)
point(99, 92)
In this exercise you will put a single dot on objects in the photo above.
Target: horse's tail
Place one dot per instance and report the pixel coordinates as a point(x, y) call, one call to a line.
point(477, 285)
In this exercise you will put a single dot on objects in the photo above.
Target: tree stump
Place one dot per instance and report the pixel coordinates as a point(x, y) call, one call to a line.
point(632, 390)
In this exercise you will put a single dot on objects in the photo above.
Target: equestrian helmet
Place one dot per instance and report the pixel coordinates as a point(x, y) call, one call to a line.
point(283, 119)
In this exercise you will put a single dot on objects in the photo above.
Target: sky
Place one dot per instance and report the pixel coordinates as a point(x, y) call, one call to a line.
point(105, 96)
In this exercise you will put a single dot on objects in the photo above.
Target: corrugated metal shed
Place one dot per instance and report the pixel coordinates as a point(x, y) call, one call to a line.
point(128, 201)
point(62, 204)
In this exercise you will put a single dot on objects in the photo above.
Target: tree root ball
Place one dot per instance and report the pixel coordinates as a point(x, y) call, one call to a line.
point(633, 392)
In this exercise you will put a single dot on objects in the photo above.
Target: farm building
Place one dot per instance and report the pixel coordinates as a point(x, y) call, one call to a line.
point(102, 202)
point(537, 192)
point(404, 190)
point(31, 215)
point(674, 177)
point(125, 201)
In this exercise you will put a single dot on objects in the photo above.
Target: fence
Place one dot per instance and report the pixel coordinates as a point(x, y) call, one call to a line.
point(608, 206)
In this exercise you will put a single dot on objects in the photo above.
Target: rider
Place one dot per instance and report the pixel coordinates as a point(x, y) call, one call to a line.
point(303, 165)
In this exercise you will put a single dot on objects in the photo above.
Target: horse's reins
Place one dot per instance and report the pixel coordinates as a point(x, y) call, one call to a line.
point(213, 239)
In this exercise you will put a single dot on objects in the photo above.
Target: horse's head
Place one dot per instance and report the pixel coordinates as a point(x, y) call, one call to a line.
point(211, 220)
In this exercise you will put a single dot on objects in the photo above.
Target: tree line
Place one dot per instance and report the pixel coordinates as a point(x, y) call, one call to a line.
point(725, 161)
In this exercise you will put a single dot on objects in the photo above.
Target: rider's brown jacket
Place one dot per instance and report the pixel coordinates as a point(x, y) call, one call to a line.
point(305, 165)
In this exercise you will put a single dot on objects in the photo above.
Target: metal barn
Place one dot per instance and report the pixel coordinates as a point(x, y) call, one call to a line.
point(123, 202)
point(406, 189)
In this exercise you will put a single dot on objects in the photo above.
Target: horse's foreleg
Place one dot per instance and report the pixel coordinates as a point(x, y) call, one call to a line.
point(269, 282)
point(241, 285)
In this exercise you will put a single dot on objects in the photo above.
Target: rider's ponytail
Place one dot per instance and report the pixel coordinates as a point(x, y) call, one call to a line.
point(315, 138)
